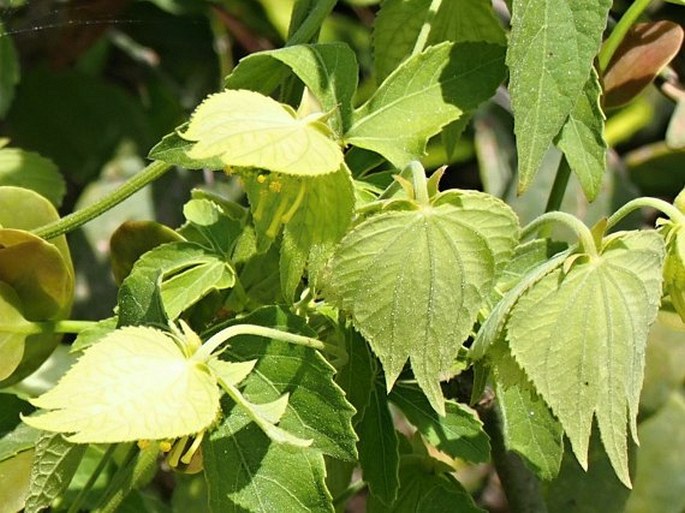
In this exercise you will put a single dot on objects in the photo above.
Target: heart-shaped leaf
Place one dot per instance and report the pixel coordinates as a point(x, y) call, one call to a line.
point(247, 129)
point(580, 337)
point(438, 264)
point(135, 384)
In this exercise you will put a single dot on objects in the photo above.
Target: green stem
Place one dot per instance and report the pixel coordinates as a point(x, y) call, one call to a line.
point(78, 501)
point(620, 30)
point(349, 492)
point(118, 479)
point(420, 182)
point(34, 328)
point(585, 237)
point(422, 38)
point(305, 31)
point(68, 223)
point(556, 195)
point(672, 212)
point(213, 343)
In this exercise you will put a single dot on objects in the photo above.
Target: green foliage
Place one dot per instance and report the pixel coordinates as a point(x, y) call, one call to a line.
point(321, 315)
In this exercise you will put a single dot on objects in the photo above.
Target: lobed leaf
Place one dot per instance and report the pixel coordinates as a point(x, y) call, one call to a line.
point(247, 129)
point(135, 384)
point(438, 264)
point(580, 337)
point(550, 53)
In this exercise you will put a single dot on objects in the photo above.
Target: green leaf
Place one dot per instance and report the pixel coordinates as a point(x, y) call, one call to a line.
point(399, 23)
point(580, 337)
point(247, 129)
point(29, 170)
point(423, 490)
point(9, 71)
point(378, 448)
point(316, 226)
point(173, 149)
point(263, 476)
point(317, 408)
point(528, 426)
point(15, 436)
point(425, 93)
point(94, 334)
point(659, 484)
point(550, 53)
point(328, 70)
point(438, 264)
point(189, 272)
point(135, 384)
point(210, 225)
point(459, 433)
point(358, 375)
point(54, 464)
point(13, 331)
point(582, 139)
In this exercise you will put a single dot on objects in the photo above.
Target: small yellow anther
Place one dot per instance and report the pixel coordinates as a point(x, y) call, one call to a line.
point(275, 186)
point(261, 178)
point(143, 444)
point(165, 446)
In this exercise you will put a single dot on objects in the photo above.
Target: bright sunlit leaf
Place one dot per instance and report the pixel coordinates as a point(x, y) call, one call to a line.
point(136, 384)
point(247, 129)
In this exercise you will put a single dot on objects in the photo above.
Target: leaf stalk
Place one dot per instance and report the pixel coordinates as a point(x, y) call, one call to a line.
point(76, 219)
point(646, 202)
point(585, 237)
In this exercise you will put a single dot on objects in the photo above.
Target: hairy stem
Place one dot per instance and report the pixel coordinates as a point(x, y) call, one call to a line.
point(68, 223)
point(620, 30)
point(672, 212)
point(34, 328)
point(78, 501)
point(216, 340)
point(585, 236)
point(422, 38)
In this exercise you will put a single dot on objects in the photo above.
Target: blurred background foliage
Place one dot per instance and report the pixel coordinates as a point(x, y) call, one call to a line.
point(87, 87)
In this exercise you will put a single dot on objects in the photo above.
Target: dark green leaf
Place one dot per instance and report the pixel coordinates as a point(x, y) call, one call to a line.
point(550, 54)
point(459, 433)
point(357, 376)
point(378, 448)
point(9, 71)
point(263, 476)
point(55, 463)
point(29, 170)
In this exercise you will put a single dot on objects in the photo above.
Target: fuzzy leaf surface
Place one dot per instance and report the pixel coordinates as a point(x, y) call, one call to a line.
point(247, 129)
point(54, 464)
point(582, 139)
point(437, 265)
point(264, 476)
point(425, 93)
point(135, 384)
point(550, 53)
point(317, 409)
point(580, 338)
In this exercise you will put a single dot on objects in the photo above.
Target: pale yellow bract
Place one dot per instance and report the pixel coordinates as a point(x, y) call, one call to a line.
point(135, 384)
